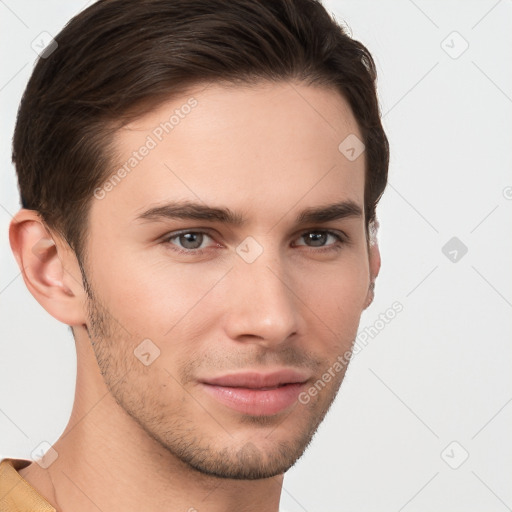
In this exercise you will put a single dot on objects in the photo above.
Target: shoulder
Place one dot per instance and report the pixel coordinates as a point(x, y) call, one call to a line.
point(16, 494)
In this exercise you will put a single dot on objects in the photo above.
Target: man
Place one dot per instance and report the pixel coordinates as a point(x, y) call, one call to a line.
point(199, 182)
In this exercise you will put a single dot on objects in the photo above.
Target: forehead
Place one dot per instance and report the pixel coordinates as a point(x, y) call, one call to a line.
point(267, 144)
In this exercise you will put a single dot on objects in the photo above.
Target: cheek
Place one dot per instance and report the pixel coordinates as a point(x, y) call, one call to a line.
point(338, 290)
point(152, 295)
point(336, 299)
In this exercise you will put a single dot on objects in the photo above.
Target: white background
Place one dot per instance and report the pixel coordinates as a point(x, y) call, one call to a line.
point(440, 371)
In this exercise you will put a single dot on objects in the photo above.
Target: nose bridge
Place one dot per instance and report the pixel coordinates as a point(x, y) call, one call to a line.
point(262, 304)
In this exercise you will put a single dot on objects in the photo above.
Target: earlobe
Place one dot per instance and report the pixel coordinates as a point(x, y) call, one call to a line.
point(47, 266)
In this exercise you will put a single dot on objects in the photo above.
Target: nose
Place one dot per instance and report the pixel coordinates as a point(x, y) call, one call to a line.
point(262, 306)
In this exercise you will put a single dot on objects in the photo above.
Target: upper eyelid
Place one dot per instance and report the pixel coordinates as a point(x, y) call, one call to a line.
point(175, 234)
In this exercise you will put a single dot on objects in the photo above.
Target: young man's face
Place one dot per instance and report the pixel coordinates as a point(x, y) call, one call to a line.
point(229, 305)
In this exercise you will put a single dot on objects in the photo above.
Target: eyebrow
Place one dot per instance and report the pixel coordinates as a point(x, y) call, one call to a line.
point(196, 211)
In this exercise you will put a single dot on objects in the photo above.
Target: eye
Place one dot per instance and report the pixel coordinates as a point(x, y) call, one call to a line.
point(189, 241)
point(318, 238)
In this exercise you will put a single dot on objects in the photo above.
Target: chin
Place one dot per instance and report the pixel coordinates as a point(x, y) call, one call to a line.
point(255, 459)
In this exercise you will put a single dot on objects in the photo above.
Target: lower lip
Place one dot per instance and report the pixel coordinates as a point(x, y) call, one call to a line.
point(256, 401)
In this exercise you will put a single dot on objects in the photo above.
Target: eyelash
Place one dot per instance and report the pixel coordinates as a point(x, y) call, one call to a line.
point(341, 239)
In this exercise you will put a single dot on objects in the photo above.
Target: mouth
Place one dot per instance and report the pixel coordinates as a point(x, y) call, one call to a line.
point(254, 393)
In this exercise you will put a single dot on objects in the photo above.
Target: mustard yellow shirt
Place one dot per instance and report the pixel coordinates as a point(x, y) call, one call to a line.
point(16, 494)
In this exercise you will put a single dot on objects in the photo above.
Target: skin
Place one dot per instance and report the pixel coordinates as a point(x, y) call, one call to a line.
point(152, 433)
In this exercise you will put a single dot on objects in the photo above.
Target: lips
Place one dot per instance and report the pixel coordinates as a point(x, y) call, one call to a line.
point(257, 393)
point(255, 380)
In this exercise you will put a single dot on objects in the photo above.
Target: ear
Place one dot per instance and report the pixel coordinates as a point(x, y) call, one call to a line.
point(49, 268)
point(374, 262)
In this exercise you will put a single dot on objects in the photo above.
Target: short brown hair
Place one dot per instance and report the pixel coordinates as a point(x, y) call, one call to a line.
point(118, 58)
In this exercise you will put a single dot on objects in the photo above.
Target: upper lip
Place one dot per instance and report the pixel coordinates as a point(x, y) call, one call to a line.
point(257, 379)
